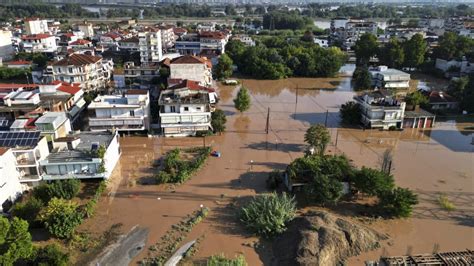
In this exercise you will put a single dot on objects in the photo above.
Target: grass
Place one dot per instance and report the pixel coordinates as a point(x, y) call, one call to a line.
point(445, 203)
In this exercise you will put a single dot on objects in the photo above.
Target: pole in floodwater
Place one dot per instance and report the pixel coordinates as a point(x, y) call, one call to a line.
point(326, 121)
point(268, 121)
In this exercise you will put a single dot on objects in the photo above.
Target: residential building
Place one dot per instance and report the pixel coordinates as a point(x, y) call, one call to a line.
point(441, 101)
point(178, 32)
point(150, 46)
point(66, 38)
point(80, 156)
point(130, 44)
point(348, 31)
point(92, 72)
point(389, 78)
point(322, 42)
point(28, 148)
point(110, 39)
point(10, 186)
point(39, 43)
point(404, 33)
point(463, 26)
point(245, 39)
point(192, 68)
point(380, 110)
point(19, 64)
point(53, 125)
point(133, 75)
point(204, 42)
point(185, 109)
point(418, 118)
point(455, 68)
point(167, 36)
point(87, 29)
point(127, 112)
point(6, 47)
point(36, 26)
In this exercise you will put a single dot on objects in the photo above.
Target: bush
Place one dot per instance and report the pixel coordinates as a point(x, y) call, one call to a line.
point(221, 260)
point(350, 113)
point(64, 189)
point(372, 182)
point(51, 255)
point(323, 189)
point(268, 214)
point(28, 210)
point(274, 180)
point(218, 121)
point(61, 217)
point(397, 202)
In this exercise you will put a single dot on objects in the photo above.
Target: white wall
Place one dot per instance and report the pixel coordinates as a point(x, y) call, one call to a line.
point(10, 187)
point(112, 156)
point(196, 72)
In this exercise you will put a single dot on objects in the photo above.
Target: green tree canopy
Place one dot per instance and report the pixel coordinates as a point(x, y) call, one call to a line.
point(416, 98)
point(372, 182)
point(318, 137)
point(365, 48)
point(454, 46)
point(218, 120)
point(223, 69)
point(361, 79)
point(323, 189)
point(350, 113)
point(415, 50)
point(392, 54)
point(51, 255)
point(61, 217)
point(242, 101)
point(15, 241)
point(398, 202)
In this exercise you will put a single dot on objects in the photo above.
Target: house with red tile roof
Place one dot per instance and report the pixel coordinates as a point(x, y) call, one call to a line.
point(39, 43)
point(192, 68)
point(19, 64)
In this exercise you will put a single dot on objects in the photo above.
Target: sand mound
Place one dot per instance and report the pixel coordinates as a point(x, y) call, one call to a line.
point(321, 238)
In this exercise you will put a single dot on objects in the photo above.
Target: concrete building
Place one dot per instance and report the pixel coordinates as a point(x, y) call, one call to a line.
point(389, 78)
point(204, 42)
point(87, 29)
point(167, 36)
point(127, 112)
point(380, 110)
point(150, 46)
point(36, 26)
point(441, 101)
point(245, 39)
point(80, 156)
point(130, 44)
point(192, 68)
point(92, 72)
point(348, 31)
point(10, 186)
point(136, 76)
point(6, 47)
point(455, 68)
point(28, 148)
point(185, 109)
point(54, 125)
point(39, 43)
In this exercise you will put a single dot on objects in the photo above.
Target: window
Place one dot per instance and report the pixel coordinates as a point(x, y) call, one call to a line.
point(132, 113)
point(172, 109)
point(70, 70)
point(198, 108)
point(186, 108)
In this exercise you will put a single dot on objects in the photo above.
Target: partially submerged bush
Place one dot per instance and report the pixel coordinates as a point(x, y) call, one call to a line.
point(268, 214)
point(221, 260)
point(397, 202)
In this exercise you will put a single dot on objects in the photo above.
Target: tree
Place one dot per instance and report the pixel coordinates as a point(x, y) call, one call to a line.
point(416, 98)
point(350, 113)
point(323, 189)
point(64, 189)
point(221, 260)
point(467, 101)
point(28, 210)
point(40, 59)
point(372, 182)
point(361, 79)
point(223, 69)
point(415, 50)
point(392, 55)
point(242, 101)
point(15, 241)
point(61, 217)
point(317, 136)
point(234, 49)
point(268, 214)
point(398, 202)
point(218, 120)
point(51, 255)
point(365, 48)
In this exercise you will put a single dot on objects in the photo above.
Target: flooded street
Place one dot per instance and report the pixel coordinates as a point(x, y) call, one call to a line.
point(431, 162)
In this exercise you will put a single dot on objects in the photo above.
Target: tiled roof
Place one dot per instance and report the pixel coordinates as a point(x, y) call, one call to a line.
point(133, 39)
point(212, 35)
point(80, 42)
point(36, 36)
point(191, 59)
point(77, 60)
point(192, 85)
point(71, 89)
point(19, 62)
point(17, 86)
point(112, 35)
point(136, 92)
point(3, 150)
point(441, 97)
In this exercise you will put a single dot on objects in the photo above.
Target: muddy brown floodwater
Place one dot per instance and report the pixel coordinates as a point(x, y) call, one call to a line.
point(430, 162)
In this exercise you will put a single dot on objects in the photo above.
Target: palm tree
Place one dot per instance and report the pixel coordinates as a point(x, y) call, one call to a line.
point(317, 136)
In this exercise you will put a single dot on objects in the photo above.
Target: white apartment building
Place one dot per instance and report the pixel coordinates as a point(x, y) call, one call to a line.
point(54, 125)
point(127, 112)
point(39, 43)
point(150, 46)
point(132, 75)
point(36, 26)
point(28, 148)
point(130, 44)
point(77, 156)
point(87, 29)
point(6, 47)
point(167, 36)
point(192, 68)
point(348, 31)
point(204, 42)
point(185, 109)
point(389, 78)
point(92, 72)
point(380, 110)
point(10, 186)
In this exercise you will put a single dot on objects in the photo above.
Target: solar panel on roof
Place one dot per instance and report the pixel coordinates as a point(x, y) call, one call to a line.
point(20, 139)
point(3, 123)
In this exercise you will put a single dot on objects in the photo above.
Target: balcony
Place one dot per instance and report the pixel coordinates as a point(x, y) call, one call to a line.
point(72, 176)
point(25, 162)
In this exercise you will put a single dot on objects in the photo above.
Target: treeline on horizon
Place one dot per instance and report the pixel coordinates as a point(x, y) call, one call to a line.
point(29, 8)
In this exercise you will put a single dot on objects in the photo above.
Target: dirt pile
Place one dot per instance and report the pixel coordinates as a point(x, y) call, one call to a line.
point(321, 238)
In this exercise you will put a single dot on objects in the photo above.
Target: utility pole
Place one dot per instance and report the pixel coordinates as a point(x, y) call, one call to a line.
point(268, 121)
point(326, 121)
point(337, 137)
